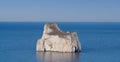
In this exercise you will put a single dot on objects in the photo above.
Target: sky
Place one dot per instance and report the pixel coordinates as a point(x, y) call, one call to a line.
point(60, 10)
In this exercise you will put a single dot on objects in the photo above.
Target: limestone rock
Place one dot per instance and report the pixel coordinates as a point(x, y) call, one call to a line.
point(53, 39)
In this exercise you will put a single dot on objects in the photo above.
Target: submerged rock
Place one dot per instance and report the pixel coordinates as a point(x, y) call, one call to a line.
point(54, 39)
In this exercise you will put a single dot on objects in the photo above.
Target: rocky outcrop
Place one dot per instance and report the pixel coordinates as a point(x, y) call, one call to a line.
point(54, 39)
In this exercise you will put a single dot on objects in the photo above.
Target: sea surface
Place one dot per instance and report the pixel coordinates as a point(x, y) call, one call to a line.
point(100, 42)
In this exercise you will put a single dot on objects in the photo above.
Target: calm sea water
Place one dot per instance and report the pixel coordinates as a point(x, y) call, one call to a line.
point(100, 42)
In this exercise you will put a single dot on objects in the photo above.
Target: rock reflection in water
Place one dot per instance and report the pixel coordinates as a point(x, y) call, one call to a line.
point(57, 57)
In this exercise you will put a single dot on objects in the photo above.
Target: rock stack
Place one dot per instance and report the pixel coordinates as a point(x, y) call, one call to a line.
point(53, 39)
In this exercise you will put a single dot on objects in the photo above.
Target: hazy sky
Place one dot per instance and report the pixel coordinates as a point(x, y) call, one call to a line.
point(60, 10)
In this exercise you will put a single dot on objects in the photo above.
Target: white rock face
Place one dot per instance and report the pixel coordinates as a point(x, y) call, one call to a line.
point(54, 39)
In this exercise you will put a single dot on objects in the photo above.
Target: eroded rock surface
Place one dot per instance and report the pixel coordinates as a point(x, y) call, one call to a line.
point(53, 39)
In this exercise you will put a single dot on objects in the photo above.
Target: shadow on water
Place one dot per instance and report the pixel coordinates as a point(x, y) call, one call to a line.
point(57, 57)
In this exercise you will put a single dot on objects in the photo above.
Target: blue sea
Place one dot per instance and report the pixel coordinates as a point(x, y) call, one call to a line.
point(100, 42)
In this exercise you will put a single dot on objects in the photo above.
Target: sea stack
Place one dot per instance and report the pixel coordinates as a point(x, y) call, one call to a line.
point(53, 39)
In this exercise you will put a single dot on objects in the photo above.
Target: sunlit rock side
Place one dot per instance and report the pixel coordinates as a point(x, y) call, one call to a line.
point(53, 39)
